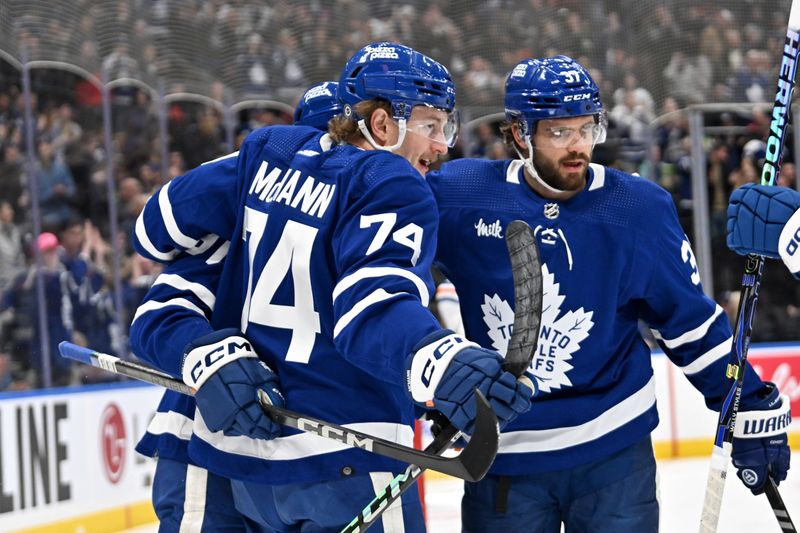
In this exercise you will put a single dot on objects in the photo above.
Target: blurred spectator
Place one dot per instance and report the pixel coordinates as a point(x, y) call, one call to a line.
point(482, 82)
point(788, 175)
point(753, 82)
point(13, 181)
point(483, 137)
point(688, 78)
point(253, 63)
point(203, 140)
point(12, 257)
point(10, 379)
point(56, 187)
point(719, 168)
point(633, 118)
point(25, 331)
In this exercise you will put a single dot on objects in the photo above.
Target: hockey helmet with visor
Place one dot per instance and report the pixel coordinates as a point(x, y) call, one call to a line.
point(405, 79)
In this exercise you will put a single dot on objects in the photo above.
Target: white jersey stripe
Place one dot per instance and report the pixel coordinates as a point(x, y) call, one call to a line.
point(220, 254)
point(720, 350)
point(182, 284)
point(177, 236)
point(599, 176)
point(377, 272)
point(690, 336)
point(147, 244)
point(374, 297)
point(175, 424)
point(153, 305)
point(194, 503)
point(222, 158)
point(512, 172)
point(545, 440)
point(392, 518)
point(300, 445)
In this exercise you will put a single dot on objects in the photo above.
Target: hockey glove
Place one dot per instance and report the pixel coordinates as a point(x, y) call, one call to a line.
point(760, 446)
point(444, 370)
point(226, 373)
point(765, 220)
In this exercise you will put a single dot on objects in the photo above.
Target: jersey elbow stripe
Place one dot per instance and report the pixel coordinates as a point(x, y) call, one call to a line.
point(374, 297)
point(178, 237)
point(179, 302)
point(183, 284)
point(147, 244)
point(710, 357)
point(379, 272)
point(692, 335)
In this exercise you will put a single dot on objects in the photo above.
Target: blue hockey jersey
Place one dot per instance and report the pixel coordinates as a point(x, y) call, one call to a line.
point(612, 255)
point(326, 270)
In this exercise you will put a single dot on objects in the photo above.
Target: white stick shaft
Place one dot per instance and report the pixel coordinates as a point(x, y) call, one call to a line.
point(717, 474)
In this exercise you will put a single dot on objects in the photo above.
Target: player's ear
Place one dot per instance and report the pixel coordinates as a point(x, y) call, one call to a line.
point(381, 126)
point(516, 132)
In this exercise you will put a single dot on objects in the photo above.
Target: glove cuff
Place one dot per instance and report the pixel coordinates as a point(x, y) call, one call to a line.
point(766, 423)
point(789, 243)
point(428, 362)
point(202, 361)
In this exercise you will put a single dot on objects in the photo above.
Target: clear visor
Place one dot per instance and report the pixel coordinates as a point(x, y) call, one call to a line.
point(435, 124)
point(590, 134)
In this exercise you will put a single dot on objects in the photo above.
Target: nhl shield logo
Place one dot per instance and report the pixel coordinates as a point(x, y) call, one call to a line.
point(551, 211)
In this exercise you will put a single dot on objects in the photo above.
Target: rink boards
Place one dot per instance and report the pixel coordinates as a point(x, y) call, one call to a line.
point(67, 460)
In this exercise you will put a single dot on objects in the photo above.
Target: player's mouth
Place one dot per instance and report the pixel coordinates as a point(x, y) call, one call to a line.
point(424, 165)
point(574, 165)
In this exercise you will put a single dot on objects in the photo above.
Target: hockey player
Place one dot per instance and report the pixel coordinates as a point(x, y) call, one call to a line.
point(325, 279)
point(613, 253)
point(318, 105)
point(764, 220)
point(184, 296)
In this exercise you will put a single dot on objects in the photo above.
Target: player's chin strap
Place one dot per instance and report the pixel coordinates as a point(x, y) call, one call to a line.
point(528, 162)
point(362, 127)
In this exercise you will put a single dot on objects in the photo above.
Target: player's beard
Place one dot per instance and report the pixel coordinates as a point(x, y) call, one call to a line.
point(563, 181)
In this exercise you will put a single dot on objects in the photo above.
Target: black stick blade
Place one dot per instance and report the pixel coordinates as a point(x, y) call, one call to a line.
point(526, 269)
point(471, 464)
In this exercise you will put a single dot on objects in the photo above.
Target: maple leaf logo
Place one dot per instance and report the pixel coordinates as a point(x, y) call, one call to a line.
point(561, 334)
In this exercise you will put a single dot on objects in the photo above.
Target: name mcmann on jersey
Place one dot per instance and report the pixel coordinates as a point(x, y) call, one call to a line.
point(312, 197)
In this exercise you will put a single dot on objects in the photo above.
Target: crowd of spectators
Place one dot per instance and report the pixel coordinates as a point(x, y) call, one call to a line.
point(234, 50)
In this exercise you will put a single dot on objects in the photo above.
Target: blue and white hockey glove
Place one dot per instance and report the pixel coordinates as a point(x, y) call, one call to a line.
point(760, 445)
point(765, 220)
point(226, 373)
point(443, 371)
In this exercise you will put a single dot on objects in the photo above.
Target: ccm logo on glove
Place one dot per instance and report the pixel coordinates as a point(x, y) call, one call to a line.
point(200, 364)
point(429, 363)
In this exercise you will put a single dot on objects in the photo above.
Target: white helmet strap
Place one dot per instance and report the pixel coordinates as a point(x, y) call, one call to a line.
point(362, 127)
point(528, 163)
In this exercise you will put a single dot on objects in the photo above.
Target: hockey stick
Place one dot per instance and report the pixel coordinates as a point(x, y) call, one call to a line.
point(751, 282)
point(471, 464)
point(527, 272)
